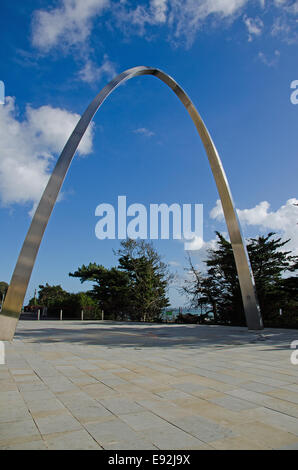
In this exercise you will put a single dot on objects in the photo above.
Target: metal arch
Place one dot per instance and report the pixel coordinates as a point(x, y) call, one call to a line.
point(22, 273)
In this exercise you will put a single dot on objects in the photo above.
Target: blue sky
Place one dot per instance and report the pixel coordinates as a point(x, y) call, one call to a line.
point(235, 58)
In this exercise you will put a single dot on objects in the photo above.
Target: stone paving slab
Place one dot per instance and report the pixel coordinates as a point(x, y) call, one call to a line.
point(109, 385)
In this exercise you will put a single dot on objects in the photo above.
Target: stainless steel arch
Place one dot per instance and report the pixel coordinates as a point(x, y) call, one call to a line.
point(22, 273)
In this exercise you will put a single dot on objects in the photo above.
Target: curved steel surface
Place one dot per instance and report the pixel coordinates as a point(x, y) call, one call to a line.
point(22, 273)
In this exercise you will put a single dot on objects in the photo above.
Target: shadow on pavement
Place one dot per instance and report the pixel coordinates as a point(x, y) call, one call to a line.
point(140, 335)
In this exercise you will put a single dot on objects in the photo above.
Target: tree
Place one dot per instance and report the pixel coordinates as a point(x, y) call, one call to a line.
point(135, 289)
point(219, 292)
point(270, 262)
point(3, 290)
point(110, 288)
point(148, 279)
point(54, 298)
point(83, 301)
point(202, 291)
point(49, 296)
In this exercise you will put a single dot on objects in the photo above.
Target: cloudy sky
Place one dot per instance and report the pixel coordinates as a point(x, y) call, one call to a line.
point(236, 59)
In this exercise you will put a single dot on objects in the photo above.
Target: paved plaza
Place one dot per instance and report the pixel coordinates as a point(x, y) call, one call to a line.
point(108, 385)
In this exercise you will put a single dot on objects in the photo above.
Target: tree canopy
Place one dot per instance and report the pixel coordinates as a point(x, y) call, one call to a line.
point(3, 288)
point(54, 298)
point(136, 288)
point(218, 290)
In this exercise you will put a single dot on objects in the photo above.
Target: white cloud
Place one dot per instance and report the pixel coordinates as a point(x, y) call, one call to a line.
point(195, 244)
point(280, 27)
point(184, 17)
point(68, 24)
point(294, 8)
point(51, 127)
point(28, 147)
point(71, 22)
point(159, 10)
point(201, 9)
point(254, 26)
point(174, 263)
point(270, 62)
point(220, 7)
point(217, 211)
point(188, 16)
point(144, 131)
point(134, 19)
point(91, 73)
point(288, 5)
point(285, 28)
point(284, 220)
point(285, 24)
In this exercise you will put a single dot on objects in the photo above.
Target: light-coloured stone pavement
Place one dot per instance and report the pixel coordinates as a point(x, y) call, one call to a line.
point(107, 385)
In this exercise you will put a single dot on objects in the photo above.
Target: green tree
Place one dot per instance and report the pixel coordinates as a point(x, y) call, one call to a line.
point(55, 299)
point(270, 262)
point(148, 279)
point(88, 304)
point(135, 289)
point(219, 291)
point(3, 288)
point(74, 303)
point(202, 291)
point(49, 296)
point(110, 289)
